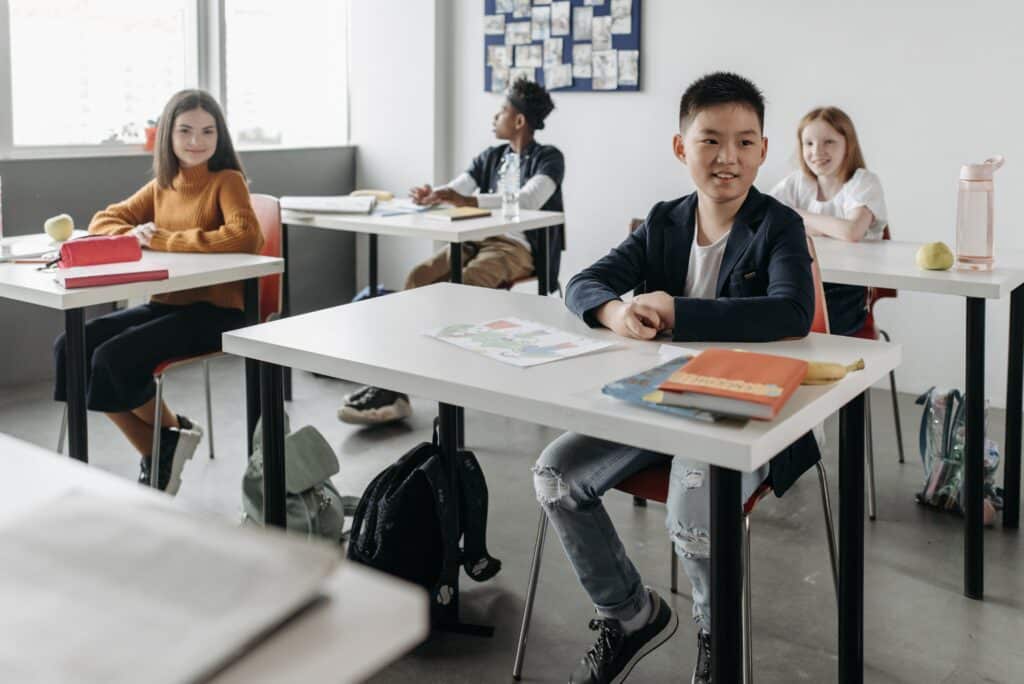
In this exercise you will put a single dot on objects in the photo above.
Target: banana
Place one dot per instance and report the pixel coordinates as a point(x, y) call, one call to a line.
point(823, 373)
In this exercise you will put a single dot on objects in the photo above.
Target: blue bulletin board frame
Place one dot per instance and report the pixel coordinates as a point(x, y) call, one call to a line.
point(630, 41)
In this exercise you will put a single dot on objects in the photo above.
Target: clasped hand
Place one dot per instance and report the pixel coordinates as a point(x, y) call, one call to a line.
point(144, 233)
point(642, 318)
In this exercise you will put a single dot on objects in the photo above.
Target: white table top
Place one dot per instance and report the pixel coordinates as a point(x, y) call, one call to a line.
point(417, 225)
point(367, 621)
point(26, 283)
point(890, 263)
point(380, 342)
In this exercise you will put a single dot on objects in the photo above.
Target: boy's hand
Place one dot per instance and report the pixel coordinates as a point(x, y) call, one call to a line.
point(420, 193)
point(450, 196)
point(663, 303)
point(635, 319)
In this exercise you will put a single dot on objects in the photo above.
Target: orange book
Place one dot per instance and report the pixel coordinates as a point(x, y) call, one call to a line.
point(735, 383)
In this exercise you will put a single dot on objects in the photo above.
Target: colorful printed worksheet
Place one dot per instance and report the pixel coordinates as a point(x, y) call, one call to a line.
point(518, 342)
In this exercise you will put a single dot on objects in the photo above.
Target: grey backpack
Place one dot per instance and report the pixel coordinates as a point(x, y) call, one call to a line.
point(313, 505)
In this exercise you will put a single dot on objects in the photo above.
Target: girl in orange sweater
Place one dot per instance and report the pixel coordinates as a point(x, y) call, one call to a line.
point(197, 202)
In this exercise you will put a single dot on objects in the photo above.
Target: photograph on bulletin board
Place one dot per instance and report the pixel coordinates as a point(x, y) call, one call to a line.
point(581, 45)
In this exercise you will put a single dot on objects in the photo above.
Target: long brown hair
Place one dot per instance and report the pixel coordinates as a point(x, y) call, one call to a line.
point(837, 119)
point(165, 162)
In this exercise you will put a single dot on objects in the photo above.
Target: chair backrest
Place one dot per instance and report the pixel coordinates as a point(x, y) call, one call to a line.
point(876, 293)
point(268, 213)
point(820, 323)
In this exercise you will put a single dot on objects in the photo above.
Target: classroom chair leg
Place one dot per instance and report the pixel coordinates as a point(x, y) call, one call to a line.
point(674, 586)
point(748, 632)
point(63, 429)
point(154, 457)
point(895, 404)
point(531, 592)
point(869, 455)
point(830, 530)
point(639, 502)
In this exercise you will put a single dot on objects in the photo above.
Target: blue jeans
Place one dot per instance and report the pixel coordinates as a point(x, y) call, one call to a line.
point(570, 477)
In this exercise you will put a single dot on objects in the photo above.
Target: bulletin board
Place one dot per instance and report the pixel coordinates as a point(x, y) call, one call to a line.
point(582, 45)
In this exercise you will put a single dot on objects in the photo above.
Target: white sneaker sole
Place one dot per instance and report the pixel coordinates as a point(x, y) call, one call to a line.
point(188, 440)
point(386, 414)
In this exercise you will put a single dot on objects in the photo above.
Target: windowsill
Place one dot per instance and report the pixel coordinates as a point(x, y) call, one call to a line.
point(107, 151)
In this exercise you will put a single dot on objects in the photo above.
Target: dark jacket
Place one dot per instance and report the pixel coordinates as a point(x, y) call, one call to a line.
point(765, 287)
point(535, 159)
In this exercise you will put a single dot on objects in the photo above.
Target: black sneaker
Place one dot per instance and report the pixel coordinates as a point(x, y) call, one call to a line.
point(702, 672)
point(612, 657)
point(176, 446)
point(374, 406)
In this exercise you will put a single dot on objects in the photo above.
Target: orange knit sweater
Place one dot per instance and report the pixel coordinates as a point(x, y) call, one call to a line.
point(205, 211)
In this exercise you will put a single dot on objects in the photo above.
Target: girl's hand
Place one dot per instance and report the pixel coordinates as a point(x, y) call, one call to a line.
point(144, 233)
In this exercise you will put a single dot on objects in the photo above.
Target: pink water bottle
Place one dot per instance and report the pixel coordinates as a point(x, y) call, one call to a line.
point(974, 219)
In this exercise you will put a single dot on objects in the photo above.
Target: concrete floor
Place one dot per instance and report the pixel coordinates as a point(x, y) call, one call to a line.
point(919, 628)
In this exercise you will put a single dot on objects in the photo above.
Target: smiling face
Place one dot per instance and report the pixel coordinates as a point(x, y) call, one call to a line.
point(723, 147)
point(194, 137)
point(823, 148)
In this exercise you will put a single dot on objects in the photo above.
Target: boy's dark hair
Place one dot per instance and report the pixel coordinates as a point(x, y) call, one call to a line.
point(719, 88)
point(165, 163)
point(532, 101)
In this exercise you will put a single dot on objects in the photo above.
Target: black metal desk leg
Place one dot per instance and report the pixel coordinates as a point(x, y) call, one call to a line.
point(252, 374)
point(851, 542)
point(286, 303)
point(75, 364)
point(1014, 378)
point(455, 263)
point(974, 446)
point(726, 575)
point(543, 267)
point(373, 264)
point(272, 403)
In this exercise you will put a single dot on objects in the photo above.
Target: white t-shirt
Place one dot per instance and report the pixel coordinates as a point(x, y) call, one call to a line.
point(705, 263)
point(864, 189)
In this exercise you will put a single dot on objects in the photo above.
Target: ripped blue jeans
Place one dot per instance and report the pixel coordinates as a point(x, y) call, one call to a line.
point(572, 474)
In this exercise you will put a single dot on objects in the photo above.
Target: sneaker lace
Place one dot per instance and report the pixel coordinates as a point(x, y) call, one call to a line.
point(368, 396)
point(608, 638)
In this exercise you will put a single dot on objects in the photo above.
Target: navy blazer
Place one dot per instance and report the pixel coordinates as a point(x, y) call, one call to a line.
point(765, 288)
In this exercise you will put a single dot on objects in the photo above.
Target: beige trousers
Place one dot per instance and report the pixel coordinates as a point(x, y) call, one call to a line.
point(494, 262)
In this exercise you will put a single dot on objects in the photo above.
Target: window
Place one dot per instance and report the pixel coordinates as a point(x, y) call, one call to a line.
point(89, 75)
point(285, 68)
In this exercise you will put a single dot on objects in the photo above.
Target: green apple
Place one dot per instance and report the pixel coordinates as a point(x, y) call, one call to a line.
point(935, 256)
point(59, 227)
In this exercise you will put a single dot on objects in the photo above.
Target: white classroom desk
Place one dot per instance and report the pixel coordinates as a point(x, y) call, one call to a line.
point(891, 264)
point(567, 395)
point(26, 283)
point(367, 621)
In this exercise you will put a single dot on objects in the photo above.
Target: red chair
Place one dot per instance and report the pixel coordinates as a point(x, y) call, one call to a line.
point(652, 484)
point(268, 213)
point(870, 331)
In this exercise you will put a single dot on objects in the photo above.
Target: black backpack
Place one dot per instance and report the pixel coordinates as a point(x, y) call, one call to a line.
point(398, 523)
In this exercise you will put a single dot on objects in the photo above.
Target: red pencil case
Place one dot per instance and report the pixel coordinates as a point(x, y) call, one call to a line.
point(99, 249)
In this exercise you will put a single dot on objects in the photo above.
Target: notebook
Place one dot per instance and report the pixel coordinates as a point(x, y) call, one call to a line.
point(634, 388)
point(107, 274)
point(102, 591)
point(733, 382)
point(333, 204)
point(457, 213)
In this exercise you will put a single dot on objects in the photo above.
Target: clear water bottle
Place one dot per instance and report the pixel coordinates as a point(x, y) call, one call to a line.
point(508, 185)
point(974, 215)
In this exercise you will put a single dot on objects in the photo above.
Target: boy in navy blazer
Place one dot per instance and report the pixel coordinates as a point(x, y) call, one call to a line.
point(724, 263)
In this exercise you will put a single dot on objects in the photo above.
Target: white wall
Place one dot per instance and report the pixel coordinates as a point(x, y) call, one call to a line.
point(399, 112)
point(928, 86)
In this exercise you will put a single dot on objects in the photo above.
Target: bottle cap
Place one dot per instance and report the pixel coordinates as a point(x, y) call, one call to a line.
point(982, 171)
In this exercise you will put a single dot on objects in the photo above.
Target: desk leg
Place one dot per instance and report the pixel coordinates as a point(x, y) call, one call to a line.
point(455, 261)
point(272, 404)
point(445, 605)
point(252, 373)
point(974, 446)
point(75, 365)
point(286, 303)
point(1014, 378)
point(373, 264)
point(543, 268)
point(851, 541)
point(726, 575)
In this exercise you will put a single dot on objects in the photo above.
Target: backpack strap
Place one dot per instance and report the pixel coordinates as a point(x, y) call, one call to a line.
point(445, 591)
point(478, 564)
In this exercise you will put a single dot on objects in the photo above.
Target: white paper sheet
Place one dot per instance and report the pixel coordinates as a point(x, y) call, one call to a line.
point(540, 23)
point(622, 18)
point(494, 24)
point(529, 56)
point(517, 33)
point(582, 21)
point(606, 70)
point(560, 12)
point(582, 56)
point(601, 29)
point(558, 76)
point(629, 67)
point(553, 51)
point(518, 342)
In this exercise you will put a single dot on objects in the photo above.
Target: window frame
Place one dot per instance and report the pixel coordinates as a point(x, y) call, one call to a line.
point(205, 68)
